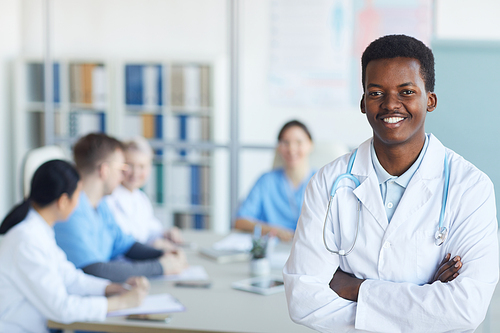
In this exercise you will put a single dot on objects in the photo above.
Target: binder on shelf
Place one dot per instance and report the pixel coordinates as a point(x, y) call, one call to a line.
point(148, 126)
point(180, 188)
point(75, 82)
point(205, 86)
point(192, 87)
point(144, 86)
point(87, 85)
point(177, 85)
point(158, 166)
point(86, 70)
point(204, 185)
point(183, 221)
point(98, 94)
point(133, 85)
point(36, 82)
point(36, 133)
point(84, 122)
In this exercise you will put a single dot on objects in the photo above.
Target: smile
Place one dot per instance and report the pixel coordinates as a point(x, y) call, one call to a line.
point(393, 120)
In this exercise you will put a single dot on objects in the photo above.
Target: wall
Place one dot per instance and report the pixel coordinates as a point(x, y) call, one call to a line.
point(465, 19)
point(197, 28)
point(10, 44)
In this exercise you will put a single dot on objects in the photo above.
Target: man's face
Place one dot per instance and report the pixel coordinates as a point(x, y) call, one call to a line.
point(116, 167)
point(395, 101)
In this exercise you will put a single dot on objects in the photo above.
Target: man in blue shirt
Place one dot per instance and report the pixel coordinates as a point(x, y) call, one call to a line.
point(91, 238)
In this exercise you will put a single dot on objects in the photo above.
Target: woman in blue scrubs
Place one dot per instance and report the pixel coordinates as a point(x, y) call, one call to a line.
point(276, 199)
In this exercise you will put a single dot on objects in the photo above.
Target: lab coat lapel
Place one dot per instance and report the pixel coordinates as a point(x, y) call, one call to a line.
point(422, 186)
point(369, 190)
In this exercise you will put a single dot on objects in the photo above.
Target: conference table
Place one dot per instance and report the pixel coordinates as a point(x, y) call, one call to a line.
point(219, 308)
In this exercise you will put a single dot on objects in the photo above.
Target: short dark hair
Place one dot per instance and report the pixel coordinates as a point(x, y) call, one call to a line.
point(393, 46)
point(92, 149)
point(293, 123)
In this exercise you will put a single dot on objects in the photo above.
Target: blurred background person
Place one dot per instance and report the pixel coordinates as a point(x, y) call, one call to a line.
point(131, 207)
point(37, 282)
point(91, 238)
point(275, 200)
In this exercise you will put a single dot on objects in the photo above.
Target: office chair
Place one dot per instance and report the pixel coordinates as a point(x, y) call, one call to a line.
point(36, 157)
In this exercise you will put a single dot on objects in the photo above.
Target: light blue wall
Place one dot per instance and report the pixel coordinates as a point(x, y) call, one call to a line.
point(467, 119)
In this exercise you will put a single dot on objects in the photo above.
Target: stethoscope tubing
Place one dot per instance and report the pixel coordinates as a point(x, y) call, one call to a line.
point(441, 233)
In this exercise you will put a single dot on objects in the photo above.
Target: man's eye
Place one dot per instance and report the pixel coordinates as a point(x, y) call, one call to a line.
point(408, 92)
point(375, 93)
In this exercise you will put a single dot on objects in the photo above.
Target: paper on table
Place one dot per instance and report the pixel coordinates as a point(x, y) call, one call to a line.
point(160, 303)
point(192, 273)
point(236, 241)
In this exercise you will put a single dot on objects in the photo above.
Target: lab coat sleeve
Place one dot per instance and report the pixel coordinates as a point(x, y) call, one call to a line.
point(44, 286)
point(456, 306)
point(79, 283)
point(310, 268)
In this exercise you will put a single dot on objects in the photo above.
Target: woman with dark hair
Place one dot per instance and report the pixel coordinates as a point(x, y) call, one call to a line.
point(37, 282)
point(276, 199)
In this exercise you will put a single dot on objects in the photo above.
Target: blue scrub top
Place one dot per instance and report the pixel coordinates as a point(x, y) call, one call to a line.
point(274, 200)
point(91, 235)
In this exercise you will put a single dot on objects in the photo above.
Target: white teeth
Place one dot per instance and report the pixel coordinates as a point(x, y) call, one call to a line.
point(393, 120)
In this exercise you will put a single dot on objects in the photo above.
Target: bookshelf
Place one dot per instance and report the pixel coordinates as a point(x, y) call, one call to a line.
point(81, 104)
point(170, 103)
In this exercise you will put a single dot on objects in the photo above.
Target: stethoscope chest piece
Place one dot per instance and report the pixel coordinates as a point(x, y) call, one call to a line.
point(440, 236)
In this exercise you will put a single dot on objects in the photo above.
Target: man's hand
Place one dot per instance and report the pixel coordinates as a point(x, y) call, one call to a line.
point(173, 262)
point(346, 285)
point(448, 269)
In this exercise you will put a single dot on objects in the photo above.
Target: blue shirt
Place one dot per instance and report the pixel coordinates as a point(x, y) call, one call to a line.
point(274, 200)
point(91, 235)
point(392, 188)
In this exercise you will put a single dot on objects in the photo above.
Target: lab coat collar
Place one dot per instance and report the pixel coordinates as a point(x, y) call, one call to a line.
point(368, 192)
point(33, 215)
point(419, 190)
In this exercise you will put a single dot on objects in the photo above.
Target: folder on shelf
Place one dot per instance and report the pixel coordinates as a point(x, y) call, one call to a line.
point(177, 85)
point(98, 93)
point(204, 86)
point(133, 85)
point(192, 86)
point(82, 123)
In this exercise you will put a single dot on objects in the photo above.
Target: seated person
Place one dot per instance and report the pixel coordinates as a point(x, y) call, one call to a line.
point(91, 238)
point(275, 200)
point(132, 208)
point(37, 282)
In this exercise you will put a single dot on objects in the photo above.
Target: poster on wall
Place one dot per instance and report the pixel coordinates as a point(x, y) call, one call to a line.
point(316, 46)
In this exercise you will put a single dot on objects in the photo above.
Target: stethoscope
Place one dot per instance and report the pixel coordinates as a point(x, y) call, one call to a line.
point(440, 234)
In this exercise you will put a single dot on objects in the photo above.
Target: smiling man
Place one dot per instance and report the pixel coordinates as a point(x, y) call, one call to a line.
point(421, 253)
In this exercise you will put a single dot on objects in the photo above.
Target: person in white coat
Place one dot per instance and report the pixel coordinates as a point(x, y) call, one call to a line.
point(37, 282)
point(396, 278)
point(131, 207)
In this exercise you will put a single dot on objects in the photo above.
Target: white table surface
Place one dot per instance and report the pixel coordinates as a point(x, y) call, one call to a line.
point(217, 309)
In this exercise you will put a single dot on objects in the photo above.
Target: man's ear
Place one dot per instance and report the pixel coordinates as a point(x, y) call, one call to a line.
point(362, 104)
point(431, 101)
point(103, 170)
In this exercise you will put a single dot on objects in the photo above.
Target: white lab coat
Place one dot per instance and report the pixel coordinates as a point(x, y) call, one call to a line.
point(134, 213)
point(37, 282)
point(397, 259)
